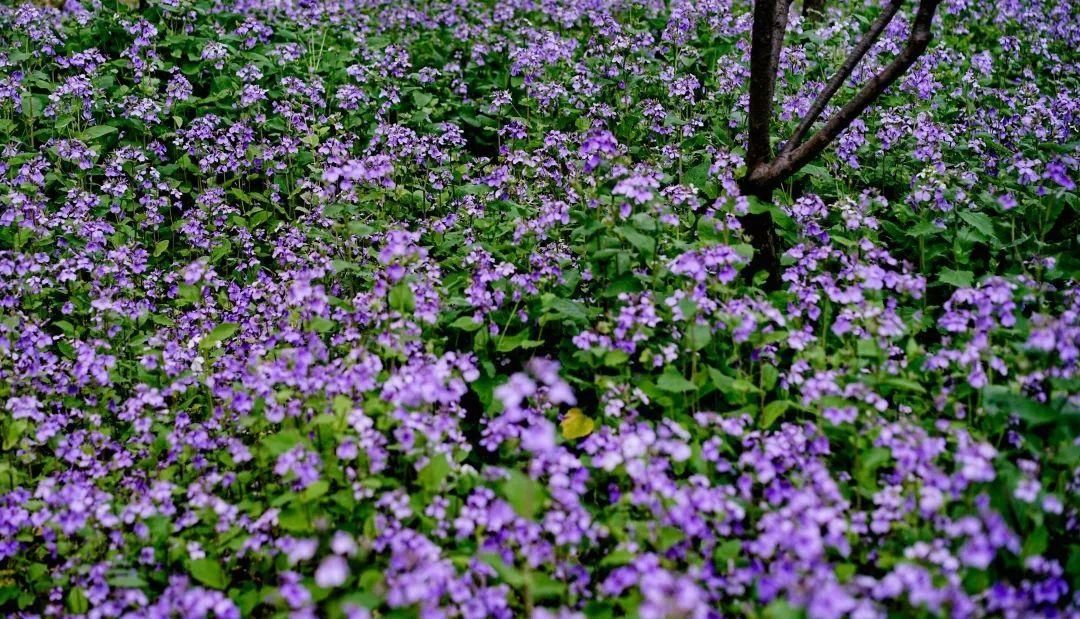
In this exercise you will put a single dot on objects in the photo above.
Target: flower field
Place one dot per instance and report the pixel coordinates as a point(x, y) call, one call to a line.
point(450, 308)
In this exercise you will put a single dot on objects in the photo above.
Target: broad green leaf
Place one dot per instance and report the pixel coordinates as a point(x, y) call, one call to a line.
point(698, 336)
point(295, 519)
point(208, 572)
point(434, 472)
point(402, 298)
point(998, 398)
point(421, 99)
point(129, 580)
point(1036, 542)
point(319, 324)
point(979, 221)
point(77, 602)
point(281, 442)
point(507, 573)
point(573, 310)
point(868, 464)
point(218, 334)
point(96, 132)
point(523, 493)
point(727, 550)
point(903, 384)
point(342, 404)
point(642, 242)
point(671, 380)
point(315, 490)
point(959, 279)
point(772, 412)
point(466, 323)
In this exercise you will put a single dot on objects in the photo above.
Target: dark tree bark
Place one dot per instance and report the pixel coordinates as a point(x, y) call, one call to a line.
point(767, 40)
point(764, 173)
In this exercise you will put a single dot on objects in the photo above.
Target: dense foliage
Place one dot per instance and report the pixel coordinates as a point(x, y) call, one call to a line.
point(439, 308)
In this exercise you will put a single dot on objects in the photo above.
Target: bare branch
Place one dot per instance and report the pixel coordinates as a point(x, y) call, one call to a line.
point(813, 9)
point(783, 9)
point(843, 73)
point(789, 162)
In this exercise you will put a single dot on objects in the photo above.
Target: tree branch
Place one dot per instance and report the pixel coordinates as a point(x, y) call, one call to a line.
point(789, 162)
point(842, 74)
point(813, 9)
point(780, 20)
point(766, 40)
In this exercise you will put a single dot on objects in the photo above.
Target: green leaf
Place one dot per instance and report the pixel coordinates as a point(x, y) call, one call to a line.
point(780, 609)
point(903, 384)
point(979, 221)
point(434, 472)
point(208, 572)
point(727, 551)
point(669, 536)
point(867, 467)
point(960, 279)
point(508, 343)
point(845, 571)
point(96, 132)
point(698, 336)
point(523, 493)
point(315, 491)
point(342, 404)
point(1072, 568)
point(698, 176)
point(673, 381)
point(294, 519)
point(924, 228)
point(769, 376)
point(772, 412)
point(421, 99)
point(507, 573)
point(77, 602)
point(281, 442)
point(466, 323)
point(160, 247)
point(319, 324)
point(1036, 542)
point(566, 308)
point(643, 243)
point(15, 431)
point(545, 587)
point(127, 581)
point(617, 557)
point(402, 298)
point(219, 333)
point(998, 398)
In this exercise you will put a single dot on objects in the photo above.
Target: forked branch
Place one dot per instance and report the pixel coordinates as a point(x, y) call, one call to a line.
point(763, 172)
point(763, 175)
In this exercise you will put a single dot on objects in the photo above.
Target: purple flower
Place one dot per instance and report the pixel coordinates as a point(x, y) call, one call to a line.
point(332, 572)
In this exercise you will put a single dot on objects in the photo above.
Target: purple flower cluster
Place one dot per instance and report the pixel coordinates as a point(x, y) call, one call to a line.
point(447, 309)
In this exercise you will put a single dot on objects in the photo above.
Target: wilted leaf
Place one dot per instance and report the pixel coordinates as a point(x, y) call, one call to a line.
point(576, 424)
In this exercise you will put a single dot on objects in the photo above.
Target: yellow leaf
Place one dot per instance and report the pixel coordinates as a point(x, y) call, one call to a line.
point(576, 424)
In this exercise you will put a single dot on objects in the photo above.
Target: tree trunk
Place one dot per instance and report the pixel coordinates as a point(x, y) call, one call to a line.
point(762, 232)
